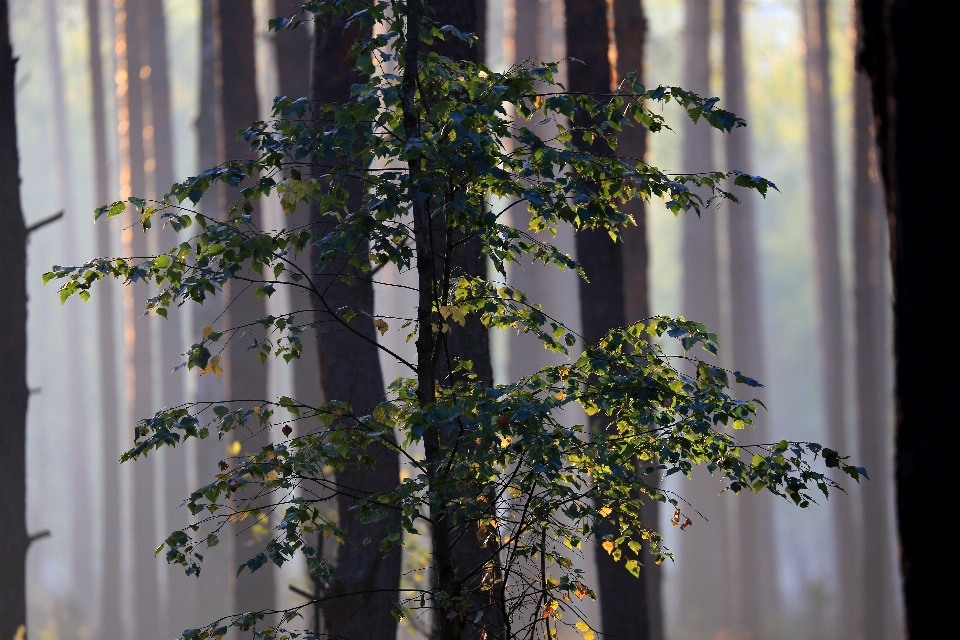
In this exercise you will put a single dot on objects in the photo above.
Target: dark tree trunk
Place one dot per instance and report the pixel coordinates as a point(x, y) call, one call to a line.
point(638, 612)
point(874, 408)
point(138, 361)
point(214, 591)
point(13, 354)
point(703, 559)
point(111, 433)
point(903, 53)
point(350, 371)
point(755, 574)
point(823, 190)
point(247, 381)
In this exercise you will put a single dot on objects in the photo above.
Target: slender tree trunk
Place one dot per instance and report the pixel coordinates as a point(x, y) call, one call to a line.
point(247, 377)
point(755, 573)
point(111, 436)
point(215, 592)
point(903, 51)
point(823, 190)
point(640, 613)
point(350, 371)
point(703, 559)
point(138, 364)
point(874, 409)
point(13, 354)
point(82, 543)
point(159, 170)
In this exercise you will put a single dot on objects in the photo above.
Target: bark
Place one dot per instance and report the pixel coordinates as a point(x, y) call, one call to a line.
point(214, 592)
point(902, 53)
point(247, 377)
point(13, 354)
point(823, 189)
point(872, 317)
point(756, 583)
point(636, 611)
point(111, 436)
point(159, 170)
point(703, 559)
point(137, 358)
point(350, 371)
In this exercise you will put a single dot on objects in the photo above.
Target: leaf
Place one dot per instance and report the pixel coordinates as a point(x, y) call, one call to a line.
point(607, 546)
point(381, 326)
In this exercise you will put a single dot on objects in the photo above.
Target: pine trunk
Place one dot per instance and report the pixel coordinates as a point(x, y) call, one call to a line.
point(903, 54)
point(13, 354)
point(755, 591)
point(247, 376)
point(873, 351)
point(823, 192)
point(350, 371)
point(704, 565)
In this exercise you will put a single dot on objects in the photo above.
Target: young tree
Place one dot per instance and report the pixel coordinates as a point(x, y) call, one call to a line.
point(429, 140)
point(902, 47)
point(823, 192)
point(13, 354)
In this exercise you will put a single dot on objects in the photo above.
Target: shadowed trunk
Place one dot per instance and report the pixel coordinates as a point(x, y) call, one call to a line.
point(13, 354)
point(247, 376)
point(640, 615)
point(350, 371)
point(874, 408)
point(703, 564)
point(823, 190)
point(111, 434)
point(903, 54)
point(755, 569)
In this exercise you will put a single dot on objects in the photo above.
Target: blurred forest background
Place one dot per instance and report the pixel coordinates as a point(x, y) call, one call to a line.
point(795, 283)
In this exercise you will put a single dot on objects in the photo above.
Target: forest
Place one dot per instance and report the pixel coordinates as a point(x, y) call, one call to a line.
point(474, 320)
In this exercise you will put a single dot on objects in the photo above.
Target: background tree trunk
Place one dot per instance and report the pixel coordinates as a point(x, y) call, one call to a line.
point(641, 607)
point(755, 561)
point(350, 371)
point(903, 54)
point(138, 362)
point(703, 565)
point(13, 354)
point(247, 379)
point(874, 409)
point(823, 190)
point(109, 623)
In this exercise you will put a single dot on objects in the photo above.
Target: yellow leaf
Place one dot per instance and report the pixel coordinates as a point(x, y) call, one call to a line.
point(256, 410)
point(381, 326)
point(582, 626)
point(234, 448)
point(605, 512)
point(589, 635)
point(607, 546)
point(207, 331)
point(560, 395)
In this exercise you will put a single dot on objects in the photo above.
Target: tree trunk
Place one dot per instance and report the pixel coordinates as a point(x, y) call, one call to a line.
point(13, 354)
point(755, 573)
point(138, 362)
point(350, 371)
point(111, 434)
point(823, 190)
point(703, 558)
point(903, 52)
point(874, 410)
point(640, 614)
point(214, 591)
point(159, 169)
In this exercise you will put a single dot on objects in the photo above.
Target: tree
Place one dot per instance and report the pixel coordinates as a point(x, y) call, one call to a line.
point(901, 48)
point(425, 136)
point(13, 352)
point(874, 409)
point(754, 571)
point(823, 189)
